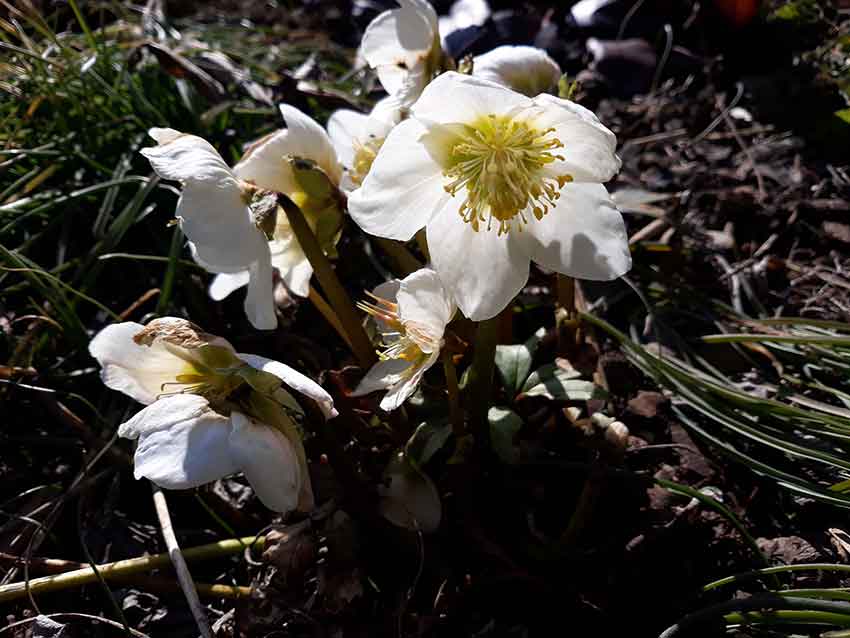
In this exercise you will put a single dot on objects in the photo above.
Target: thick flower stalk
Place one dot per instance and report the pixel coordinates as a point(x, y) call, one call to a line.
point(528, 70)
point(210, 411)
point(214, 213)
point(411, 315)
point(497, 179)
point(403, 46)
point(299, 161)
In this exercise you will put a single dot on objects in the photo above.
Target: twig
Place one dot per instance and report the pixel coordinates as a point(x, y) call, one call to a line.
point(122, 568)
point(183, 575)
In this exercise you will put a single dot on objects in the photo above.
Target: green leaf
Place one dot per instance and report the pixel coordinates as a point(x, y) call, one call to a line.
point(427, 440)
point(560, 382)
point(514, 361)
point(504, 426)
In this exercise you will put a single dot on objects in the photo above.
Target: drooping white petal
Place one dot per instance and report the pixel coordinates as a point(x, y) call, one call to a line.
point(294, 267)
point(345, 128)
point(182, 442)
point(269, 461)
point(481, 270)
point(588, 146)
point(308, 140)
point(583, 236)
point(457, 98)
point(384, 374)
point(425, 302)
point(404, 187)
point(225, 283)
point(137, 371)
point(259, 302)
point(526, 69)
point(293, 379)
point(401, 391)
point(264, 165)
point(211, 211)
point(398, 36)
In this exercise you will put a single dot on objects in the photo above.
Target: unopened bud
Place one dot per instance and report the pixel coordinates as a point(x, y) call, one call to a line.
point(617, 434)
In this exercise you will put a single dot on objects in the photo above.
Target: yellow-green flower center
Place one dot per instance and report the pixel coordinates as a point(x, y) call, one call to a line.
point(500, 163)
point(364, 154)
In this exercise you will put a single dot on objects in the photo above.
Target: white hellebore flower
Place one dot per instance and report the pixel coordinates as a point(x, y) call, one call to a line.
point(210, 411)
point(403, 46)
point(357, 139)
point(271, 164)
point(528, 70)
point(412, 315)
point(497, 179)
point(214, 215)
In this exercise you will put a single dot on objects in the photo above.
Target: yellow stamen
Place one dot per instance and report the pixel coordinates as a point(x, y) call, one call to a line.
point(500, 164)
point(364, 154)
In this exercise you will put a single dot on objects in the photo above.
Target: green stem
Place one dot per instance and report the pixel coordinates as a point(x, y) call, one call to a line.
point(337, 296)
point(455, 414)
point(481, 381)
point(800, 567)
point(123, 568)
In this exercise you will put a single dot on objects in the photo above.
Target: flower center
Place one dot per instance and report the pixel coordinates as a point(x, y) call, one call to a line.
point(364, 154)
point(501, 163)
point(401, 340)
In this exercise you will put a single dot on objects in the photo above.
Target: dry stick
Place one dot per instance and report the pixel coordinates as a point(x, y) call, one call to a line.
point(337, 296)
point(148, 583)
point(123, 568)
point(183, 575)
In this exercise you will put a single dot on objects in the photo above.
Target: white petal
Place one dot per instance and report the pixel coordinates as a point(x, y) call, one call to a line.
point(269, 462)
point(259, 302)
point(404, 187)
point(481, 270)
point(389, 291)
point(528, 70)
point(400, 392)
point(264, 165)
point(210, 209)
point(458, 98)
point(182, 442)
point(583, 236)
point(424, 301)
point(344, 128)
point(137, 371)
point(589, 146)
point(397, 37)
point(294, 267)
point(293, 379)
point(225, 283)
point(381, 376)
point(310, 141)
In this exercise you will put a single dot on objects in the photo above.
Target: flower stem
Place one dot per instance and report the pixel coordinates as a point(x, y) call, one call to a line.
point(455, 414)
point(337, 296)
point(328, 313)
point(403, 260)
point(481, 381)
point(123, 568)
point(566, 315)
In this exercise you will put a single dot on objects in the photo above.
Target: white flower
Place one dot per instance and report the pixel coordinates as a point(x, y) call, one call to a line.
point(267, 164)
point(412, 315)
point(210, 411)
point(403, 46)
point(528, 70)
point(214, 215)
point(462, 14)
point(497, 179)
point(357, 139)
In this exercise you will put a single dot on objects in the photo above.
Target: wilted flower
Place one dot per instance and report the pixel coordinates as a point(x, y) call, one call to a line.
point(412, 315)
point(214, 214)
point(497, 179)
point(301, 162)
point(528, 70)
point(403, 46)
point(210, 411)
point(357, 139)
